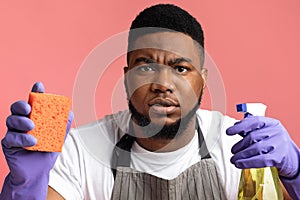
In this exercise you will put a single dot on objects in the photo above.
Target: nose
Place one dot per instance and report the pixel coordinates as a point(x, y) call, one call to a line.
point(163, 81)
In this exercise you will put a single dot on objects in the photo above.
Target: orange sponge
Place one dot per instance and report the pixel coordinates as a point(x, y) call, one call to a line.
point(49, 113)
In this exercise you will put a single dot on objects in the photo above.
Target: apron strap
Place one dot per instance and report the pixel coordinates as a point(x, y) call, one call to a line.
point(121, 153)
point(204, 153)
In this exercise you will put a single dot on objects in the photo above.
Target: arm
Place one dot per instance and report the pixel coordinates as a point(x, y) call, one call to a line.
point(267, 144)
point(53, 195)
point(286, 195)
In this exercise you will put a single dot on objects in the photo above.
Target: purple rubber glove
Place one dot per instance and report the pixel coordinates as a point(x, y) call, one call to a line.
point(29, 170)
point(266, 144)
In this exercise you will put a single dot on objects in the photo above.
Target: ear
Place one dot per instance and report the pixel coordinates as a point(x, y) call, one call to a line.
point(125, 69)
point(204, 76)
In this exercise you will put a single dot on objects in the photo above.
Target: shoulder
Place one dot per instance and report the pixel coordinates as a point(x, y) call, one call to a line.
point(104, 127)
point(97, 139)
point(213, 119)
point(214, 125)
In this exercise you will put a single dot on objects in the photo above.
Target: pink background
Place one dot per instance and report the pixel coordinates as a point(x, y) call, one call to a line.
point(255, 45)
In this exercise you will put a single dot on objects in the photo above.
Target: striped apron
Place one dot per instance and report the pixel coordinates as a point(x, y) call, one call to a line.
point(200, 181)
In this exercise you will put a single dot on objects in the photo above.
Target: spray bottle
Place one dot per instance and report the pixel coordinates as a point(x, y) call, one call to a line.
point(258, 183)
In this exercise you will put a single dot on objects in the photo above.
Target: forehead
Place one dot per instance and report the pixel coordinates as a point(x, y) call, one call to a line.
point(173, 42)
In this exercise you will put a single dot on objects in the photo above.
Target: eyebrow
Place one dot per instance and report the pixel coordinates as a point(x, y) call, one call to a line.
point(144, 60)
point(171, 62)
point(179, 60)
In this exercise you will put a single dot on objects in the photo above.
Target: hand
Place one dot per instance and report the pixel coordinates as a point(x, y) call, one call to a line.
point(266, 143)
point(29, 170)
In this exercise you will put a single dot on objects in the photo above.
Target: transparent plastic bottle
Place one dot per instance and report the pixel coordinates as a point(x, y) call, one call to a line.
point(258, 183)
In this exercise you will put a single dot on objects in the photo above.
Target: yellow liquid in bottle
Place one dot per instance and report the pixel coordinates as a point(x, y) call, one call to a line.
point(260, 184)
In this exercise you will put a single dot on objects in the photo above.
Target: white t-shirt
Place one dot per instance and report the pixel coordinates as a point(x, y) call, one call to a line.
point(82, 171)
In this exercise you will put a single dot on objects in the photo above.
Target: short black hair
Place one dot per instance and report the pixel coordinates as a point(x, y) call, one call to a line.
point(166, 17)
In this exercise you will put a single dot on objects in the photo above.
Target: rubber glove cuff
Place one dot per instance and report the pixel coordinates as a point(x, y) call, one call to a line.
point(292, 184)
point(33, 189)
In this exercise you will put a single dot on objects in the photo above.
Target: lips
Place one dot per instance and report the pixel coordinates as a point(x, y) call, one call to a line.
point(163, 106)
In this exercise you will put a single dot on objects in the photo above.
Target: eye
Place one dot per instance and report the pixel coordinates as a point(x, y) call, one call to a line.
point(146, 68)
point(181, 69)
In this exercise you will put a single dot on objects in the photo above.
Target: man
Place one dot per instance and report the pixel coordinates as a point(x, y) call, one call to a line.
point(156, 150)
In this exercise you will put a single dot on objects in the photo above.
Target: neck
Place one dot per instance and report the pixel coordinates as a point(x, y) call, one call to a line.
point(165, 145)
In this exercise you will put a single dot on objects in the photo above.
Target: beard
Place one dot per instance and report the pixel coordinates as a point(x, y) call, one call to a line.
point(170, 131)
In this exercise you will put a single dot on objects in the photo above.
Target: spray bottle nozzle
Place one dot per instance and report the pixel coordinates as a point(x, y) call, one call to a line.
point(255, 109)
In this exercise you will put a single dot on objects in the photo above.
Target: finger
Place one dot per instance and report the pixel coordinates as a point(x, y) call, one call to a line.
point(38, 87)
point(70, 119)
point(259, 148)
point(258, 161)
point(14, 139)
point(20, 108)
point(250, 139)
point(19, 123)
point(247, 125)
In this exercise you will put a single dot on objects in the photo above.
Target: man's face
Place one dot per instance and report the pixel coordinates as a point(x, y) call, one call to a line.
point(164, 80)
